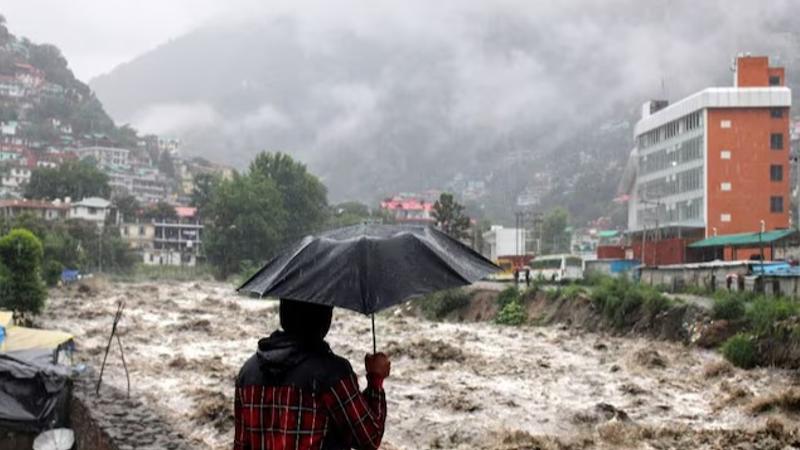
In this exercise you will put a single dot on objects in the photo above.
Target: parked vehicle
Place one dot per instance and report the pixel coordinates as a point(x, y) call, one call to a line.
point(557, 268)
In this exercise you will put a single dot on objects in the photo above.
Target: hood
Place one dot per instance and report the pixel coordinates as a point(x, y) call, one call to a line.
point(281, 352)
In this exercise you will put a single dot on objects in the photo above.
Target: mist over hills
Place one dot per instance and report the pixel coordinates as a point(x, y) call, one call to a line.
point(523, 98)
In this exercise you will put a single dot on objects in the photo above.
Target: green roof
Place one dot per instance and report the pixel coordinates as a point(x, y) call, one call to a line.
point(607, 233)
point(742, 239)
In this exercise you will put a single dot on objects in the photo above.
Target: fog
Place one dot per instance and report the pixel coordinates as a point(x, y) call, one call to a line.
point(408, 95)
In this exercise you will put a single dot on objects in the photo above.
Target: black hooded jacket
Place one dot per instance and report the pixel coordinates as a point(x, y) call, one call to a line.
point(283, 360)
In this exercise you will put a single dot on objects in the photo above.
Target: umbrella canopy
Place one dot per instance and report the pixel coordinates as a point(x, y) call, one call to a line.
point(369, 267)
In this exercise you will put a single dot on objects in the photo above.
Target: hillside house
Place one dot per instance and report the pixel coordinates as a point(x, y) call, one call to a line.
point(46, 210)
point(93, 209)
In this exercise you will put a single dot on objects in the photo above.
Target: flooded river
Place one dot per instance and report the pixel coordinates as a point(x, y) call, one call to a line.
point(452, 386)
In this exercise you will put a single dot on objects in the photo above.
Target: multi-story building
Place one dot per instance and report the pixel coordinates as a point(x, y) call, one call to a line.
point(714, 163)
point(93, 209)
point(138, 235)
point(176, 242)
point(105, 156)
point(500, 241)
point(39, 208)
point(146, 184)
point(15, 177)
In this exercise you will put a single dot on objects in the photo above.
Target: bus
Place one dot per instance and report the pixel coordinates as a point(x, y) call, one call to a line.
point(557, 268)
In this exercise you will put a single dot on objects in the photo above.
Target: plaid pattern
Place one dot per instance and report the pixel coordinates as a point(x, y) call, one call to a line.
point(292, 418)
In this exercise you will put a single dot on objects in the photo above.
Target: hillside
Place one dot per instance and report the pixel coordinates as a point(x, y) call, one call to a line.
point(513, 108)
point(48, 105)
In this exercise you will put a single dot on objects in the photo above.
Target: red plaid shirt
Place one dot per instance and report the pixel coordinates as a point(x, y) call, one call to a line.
point(292, 418)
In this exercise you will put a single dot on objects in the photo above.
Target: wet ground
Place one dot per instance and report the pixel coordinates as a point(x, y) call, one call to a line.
point(452, 385)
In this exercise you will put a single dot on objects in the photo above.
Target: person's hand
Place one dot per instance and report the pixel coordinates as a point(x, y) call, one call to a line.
point(377, 365)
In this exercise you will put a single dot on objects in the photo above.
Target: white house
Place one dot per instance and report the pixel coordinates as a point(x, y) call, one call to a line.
point(93, 209)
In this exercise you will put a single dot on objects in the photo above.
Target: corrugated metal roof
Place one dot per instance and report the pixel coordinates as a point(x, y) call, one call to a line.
point(742, 239)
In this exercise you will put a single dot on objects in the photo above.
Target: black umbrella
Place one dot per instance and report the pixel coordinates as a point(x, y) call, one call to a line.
point(369, 267)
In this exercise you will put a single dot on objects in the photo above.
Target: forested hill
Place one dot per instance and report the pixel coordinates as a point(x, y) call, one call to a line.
point(506, 105)
point(51, 107)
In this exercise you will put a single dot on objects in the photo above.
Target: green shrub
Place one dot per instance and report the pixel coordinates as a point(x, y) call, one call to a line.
point(572, 291)
point(512, 314)
point(439, 304)
point(654, 301)
point(619, 298)
point(21, 289)
point(740, 350)
point(52, 272)
point(508, 295)
point(766, 311)
point(728, 307)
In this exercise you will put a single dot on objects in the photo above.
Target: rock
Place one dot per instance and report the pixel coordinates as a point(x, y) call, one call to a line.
point(709, 335)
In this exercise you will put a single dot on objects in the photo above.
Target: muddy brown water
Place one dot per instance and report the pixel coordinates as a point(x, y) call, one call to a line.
point(453, 385)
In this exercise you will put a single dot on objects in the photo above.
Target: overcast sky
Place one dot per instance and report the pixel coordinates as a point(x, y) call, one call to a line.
point(97, 35)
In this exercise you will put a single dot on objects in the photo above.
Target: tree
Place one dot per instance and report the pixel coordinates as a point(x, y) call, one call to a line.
point(555, 238)
point(450, 218)
point(204, 186)
point(246, 223)
point(127, 207)
point(22, 289)
point(75, 179)
point(161, 211)
point(302, 194)
point(348, 213)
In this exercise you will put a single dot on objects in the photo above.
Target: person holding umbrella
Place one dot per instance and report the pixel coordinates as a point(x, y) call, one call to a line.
point(294, 393)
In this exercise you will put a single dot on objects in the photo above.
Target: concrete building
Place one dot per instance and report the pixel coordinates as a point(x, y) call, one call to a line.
point(176, 242)
point(46, 210)
point(93, 209)
point(714, 163)
point(139, 236)
point(105, 156)
point(500, 241)
point(147, 184)
point(15, 177)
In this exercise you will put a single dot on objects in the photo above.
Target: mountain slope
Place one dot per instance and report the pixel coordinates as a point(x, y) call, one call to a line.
point(496, 94)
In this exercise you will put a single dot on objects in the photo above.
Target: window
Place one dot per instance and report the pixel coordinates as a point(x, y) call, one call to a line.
point(776, 204)
point(725, 186)
point(776, 113)
point(125, 231)
point(92, 211)
point(776, 172)
point(725, 217)
point(725, 154)
point(725, 124)
point(774, 80)
point(141, 231)
point(776, 141)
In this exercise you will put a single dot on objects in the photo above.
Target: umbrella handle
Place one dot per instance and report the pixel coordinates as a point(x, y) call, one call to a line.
point(374, 345)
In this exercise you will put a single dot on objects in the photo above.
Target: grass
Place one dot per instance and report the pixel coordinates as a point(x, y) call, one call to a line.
point(573, 291)
point(439, 304)
point(765, 312)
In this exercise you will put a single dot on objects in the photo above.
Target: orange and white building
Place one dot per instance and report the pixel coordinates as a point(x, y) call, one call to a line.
point(714, 163)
